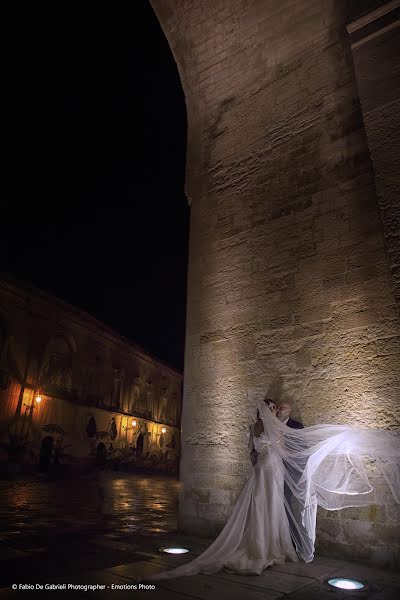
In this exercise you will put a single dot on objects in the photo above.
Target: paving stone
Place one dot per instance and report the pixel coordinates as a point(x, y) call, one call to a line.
point(213, 588)
point(136, 570)
point(108, 578)
point(319, 568)
point(270, 580)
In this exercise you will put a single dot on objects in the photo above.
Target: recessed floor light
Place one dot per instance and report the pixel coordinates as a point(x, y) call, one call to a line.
point(346, 584)
point(174, 550)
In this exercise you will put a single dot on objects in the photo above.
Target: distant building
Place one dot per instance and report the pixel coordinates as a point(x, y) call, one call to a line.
point(74, 391)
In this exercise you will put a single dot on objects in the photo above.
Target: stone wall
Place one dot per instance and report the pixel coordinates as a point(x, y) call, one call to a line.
point(289, 287)
point(375, 38)
point(82, 370)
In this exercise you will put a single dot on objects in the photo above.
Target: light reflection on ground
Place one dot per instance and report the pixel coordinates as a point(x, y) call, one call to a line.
point(84, 516)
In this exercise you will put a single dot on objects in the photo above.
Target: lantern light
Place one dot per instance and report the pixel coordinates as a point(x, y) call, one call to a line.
point(38, 398)
point(163, 430)
point(134, 423)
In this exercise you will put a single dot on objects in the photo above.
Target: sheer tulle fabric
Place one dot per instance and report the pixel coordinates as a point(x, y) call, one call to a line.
point(332, 466)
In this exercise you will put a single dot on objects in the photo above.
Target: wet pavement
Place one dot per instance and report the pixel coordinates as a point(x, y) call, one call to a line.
point(95, 536)
point(55, 526)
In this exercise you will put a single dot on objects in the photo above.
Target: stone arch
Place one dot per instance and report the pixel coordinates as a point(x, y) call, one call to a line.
point(61, 339)
point(180, 48)
point(287, 261)
point(56, 370)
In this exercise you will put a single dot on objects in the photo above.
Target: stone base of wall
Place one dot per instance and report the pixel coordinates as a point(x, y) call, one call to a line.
point(199, 527)
point(369, 534)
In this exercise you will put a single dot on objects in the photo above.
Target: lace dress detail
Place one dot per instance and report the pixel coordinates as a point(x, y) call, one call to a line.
point(261, 443)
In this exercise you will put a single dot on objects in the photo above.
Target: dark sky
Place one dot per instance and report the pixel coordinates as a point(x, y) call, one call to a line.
point(92, 172)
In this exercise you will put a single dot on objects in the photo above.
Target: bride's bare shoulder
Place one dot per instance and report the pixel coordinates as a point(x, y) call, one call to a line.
point(258, 427)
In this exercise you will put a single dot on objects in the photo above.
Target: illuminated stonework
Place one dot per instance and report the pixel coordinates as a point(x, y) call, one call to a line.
point(290, 291)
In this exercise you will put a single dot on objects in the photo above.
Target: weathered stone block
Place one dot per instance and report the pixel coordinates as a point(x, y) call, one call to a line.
point(329, 529)
point(372, 513)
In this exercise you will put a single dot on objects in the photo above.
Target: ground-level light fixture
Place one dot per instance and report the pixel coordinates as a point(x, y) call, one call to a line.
point(343, 583)
point(163, 430)
point(38, 397)
point(134, 423)
point(174, 550)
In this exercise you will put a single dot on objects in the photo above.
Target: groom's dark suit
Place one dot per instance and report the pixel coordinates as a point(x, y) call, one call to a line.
point(294, 424)
point(288, 494)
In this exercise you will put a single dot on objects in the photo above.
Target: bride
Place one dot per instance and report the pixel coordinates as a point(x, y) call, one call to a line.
point(274, 518)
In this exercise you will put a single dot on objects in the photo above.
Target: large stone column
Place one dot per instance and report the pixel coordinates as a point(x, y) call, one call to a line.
point(375, 38)
point(289, 287)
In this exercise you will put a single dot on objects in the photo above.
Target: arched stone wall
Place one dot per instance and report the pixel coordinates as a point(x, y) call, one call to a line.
point(289, 289)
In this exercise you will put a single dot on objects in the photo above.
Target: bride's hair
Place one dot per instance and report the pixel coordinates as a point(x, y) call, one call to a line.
point(270, 403)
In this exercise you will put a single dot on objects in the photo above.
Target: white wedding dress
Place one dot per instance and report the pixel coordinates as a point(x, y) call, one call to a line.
point(296, 470)
point(260, 528)
point(257, 534)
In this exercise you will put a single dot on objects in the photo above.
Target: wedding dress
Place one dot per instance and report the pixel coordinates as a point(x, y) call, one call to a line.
point(333, 466)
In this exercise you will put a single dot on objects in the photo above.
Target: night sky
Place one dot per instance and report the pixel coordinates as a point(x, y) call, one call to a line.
point(92, 170)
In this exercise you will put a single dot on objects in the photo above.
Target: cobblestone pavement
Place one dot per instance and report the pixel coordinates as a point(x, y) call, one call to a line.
point(108, 531)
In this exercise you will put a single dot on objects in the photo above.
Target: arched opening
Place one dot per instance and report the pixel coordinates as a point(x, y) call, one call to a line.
point(46, 453)
point(91, 427)
point(101, 454)
point(56, 371)
point(139, 445)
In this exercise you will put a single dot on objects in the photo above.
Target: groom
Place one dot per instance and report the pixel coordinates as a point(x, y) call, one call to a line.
point(283, 414)
point(293, 507)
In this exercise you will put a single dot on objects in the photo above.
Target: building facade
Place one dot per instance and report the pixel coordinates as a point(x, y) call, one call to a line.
point(73, 391)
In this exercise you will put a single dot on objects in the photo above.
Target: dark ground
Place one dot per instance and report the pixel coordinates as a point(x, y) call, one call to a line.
point(61, 525)
point(108, 530)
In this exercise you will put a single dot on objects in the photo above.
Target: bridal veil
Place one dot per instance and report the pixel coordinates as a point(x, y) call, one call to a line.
point(332, 466)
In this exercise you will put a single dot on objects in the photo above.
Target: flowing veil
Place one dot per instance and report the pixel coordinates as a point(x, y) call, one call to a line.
point(332, 466)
